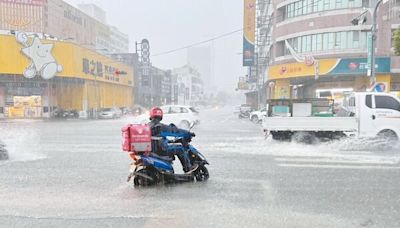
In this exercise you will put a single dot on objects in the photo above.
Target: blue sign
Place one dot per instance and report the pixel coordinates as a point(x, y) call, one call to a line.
point(359, 66)
point(248, 53)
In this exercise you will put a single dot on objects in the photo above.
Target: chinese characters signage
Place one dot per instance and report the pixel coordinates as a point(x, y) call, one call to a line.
point(360, 66)
point(98, 69)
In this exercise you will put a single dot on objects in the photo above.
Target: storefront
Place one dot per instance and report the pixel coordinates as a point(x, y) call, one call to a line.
point(38, 76)
point(298, 80)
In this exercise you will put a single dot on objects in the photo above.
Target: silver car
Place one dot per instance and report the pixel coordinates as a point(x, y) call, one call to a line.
point(110, 113)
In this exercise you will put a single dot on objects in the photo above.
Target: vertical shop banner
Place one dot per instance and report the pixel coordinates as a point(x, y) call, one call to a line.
point(249, 32)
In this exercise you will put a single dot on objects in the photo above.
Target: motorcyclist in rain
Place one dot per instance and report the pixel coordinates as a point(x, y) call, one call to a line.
point(160, 146)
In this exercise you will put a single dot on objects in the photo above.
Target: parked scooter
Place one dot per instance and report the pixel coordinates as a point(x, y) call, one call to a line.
point(149, 168)
point(244, 114)
point(3, 152)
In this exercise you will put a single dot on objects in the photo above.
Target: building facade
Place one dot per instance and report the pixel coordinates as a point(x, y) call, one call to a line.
point(201, 58)
point(189, 85)
point(58, 20)
point(317, 48)
point(38, 76)
point(94, 11)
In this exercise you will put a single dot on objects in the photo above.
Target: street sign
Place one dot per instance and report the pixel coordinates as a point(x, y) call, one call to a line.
point(369, 47)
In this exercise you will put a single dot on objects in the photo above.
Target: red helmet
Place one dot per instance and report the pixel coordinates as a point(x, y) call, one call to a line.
point(156, 112)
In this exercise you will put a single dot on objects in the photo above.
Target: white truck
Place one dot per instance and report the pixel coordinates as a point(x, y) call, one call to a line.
point(364, 114)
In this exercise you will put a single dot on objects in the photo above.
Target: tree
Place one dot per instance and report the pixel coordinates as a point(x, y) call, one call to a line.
point(396, 40)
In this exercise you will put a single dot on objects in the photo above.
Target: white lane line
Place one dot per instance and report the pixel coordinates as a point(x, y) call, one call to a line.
point(342, 160)
point(336, 166)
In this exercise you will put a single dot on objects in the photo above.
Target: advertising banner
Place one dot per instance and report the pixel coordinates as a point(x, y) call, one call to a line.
point(360, 66)
point(293, 70)
point(249, 32)
point(46, 59)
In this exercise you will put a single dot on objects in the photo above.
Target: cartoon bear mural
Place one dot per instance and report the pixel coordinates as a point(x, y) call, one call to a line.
point(43, 62)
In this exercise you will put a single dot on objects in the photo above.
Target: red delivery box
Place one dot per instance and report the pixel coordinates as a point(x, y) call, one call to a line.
point(136, 138)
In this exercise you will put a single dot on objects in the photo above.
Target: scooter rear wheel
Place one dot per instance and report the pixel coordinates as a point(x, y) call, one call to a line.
point(201, 174)
point(140, 180)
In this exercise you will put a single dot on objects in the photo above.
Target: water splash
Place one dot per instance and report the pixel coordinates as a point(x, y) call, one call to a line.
point(22, 144)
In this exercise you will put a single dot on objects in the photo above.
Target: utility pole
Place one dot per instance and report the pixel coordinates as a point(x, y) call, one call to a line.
point(373, 43)
point(361, 19)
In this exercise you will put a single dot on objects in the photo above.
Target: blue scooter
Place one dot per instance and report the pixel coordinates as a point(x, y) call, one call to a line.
point(151, 169)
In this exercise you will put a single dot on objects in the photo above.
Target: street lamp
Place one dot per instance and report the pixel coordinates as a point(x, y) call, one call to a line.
point(373, 38)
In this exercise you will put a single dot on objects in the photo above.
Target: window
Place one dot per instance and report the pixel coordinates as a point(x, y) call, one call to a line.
point(337, 37)
point(290, 10)
point(331, 41)
point(339, 4)
point(314, 42)
point(352, 102)
point(174, 110)
point(368, 101)
point(307, 6)
point(327, 4)
point(299, 48)
point(386, 102)
point(294, 44)
point(343, 38)
point(296, 8)
point(308, 43)
point(318, 42)
point(325, 41)
point(184, 110)
point(356, 39)
point(165, 110)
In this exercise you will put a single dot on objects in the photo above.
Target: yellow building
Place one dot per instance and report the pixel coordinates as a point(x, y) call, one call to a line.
point(37, 76)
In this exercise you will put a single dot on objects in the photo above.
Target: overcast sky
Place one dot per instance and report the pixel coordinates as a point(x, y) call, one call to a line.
point(170, 24)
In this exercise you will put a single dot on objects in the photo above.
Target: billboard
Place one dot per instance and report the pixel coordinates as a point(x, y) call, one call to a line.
point(25, 2)
point(249, 32)
point(360, 66)
point(74, 61)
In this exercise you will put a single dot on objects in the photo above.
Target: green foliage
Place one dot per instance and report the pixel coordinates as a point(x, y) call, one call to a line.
point(396, 41)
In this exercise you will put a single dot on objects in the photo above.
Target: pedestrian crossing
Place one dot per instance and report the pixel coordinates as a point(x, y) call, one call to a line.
point(340, 161)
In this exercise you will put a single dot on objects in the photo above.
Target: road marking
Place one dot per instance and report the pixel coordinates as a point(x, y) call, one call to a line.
point(340, 161)
point(336, 166)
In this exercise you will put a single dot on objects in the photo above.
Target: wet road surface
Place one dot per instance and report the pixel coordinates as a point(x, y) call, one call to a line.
point(73, 174)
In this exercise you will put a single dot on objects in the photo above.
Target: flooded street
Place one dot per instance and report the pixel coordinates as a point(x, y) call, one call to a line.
point(73, 174)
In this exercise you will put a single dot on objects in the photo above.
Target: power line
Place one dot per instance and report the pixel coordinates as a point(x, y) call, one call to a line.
point(198, 43)
point(229, 33)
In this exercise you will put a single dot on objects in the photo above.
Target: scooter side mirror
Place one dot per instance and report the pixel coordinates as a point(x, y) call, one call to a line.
point(191, 126)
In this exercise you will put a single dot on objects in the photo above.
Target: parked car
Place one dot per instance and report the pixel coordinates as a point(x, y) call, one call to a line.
point(181, 116)
point(257, 116)
point(125, 110)
point(110, 113)
point(66, 114)
point(138, 110)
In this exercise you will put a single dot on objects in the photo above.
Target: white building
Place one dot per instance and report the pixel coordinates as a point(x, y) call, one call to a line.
point(201, 58)
point(109, 39)
point(94, 11)
point(119, 41)
point(190, 85)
